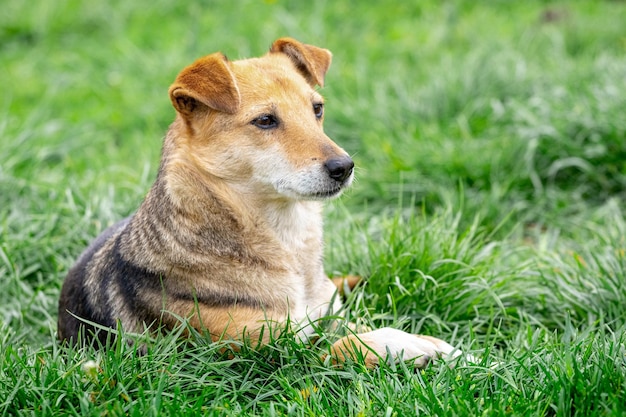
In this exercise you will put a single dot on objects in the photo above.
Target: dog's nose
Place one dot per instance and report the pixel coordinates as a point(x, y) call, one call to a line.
point(340, 168)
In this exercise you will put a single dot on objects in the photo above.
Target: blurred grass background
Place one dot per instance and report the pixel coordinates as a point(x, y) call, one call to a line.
point(489, 138)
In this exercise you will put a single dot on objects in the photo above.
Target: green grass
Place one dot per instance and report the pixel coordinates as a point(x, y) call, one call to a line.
point(490, 142)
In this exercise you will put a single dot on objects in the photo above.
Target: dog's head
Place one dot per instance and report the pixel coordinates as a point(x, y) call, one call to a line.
point(257, 123)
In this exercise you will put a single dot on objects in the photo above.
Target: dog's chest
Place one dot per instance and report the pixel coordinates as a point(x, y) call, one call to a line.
point(299, 229)
point(311, 293)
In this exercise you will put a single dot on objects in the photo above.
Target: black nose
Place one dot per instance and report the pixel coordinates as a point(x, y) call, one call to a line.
point(340, 168)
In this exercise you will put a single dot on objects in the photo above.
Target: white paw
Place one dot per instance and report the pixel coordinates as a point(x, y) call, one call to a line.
point(391, 345)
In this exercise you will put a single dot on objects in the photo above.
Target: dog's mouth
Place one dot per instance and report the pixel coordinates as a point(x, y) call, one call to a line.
point(332, 191)
point(328, 193)
point(309, 187)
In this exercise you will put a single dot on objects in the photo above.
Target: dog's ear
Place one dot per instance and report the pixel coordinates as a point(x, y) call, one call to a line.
point(208, 81)
point(311, 61)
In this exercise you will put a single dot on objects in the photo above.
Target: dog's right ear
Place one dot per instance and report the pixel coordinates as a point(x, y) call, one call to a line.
point(207, 82)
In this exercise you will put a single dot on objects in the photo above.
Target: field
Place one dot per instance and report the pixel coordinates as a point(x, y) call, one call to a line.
point(490, 144)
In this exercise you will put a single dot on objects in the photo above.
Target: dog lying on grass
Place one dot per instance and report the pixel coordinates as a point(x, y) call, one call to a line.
point(229, 237)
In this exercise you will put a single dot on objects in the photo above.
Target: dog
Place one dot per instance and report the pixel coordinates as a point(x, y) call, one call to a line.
point(229, 237)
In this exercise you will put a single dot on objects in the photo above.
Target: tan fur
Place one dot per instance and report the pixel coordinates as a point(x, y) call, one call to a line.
point(230, 234)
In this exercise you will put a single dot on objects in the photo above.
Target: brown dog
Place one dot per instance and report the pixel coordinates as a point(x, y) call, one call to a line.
point(230, 235)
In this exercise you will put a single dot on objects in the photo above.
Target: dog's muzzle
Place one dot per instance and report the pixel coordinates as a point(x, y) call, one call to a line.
point(339, 169)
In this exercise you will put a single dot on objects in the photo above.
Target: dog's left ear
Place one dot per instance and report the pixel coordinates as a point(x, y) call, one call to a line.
point(207, 82)
point(311, 61)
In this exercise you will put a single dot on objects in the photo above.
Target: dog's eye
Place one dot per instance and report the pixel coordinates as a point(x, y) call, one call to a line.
point(318, 109)
point(267, 121)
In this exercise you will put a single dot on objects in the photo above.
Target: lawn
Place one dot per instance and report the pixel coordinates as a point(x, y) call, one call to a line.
point(488, 210)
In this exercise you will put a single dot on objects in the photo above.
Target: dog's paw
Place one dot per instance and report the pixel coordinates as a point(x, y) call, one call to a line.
point(389, 344)
point(346, 283)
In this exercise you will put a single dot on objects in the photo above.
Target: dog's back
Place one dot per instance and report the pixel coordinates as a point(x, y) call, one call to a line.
point(78, 303)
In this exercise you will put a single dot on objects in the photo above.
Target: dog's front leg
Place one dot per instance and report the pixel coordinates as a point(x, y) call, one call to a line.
point(347, 282)
point(391, 345)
